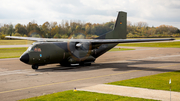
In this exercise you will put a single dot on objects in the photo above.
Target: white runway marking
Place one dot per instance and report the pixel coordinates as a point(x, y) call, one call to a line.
point(13, 46)
point(148, 58)
point(160, 57)
point(9, 59)
point(28, 72)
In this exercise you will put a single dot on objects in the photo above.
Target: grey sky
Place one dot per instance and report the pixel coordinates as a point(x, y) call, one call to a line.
point(154, 12)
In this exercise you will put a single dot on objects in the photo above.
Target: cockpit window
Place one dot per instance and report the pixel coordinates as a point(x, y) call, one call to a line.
point(35, 49)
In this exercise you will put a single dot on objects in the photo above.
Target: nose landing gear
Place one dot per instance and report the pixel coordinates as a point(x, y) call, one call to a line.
point(35, 67)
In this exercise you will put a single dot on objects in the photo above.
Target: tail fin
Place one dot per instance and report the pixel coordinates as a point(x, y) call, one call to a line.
point(120, 30)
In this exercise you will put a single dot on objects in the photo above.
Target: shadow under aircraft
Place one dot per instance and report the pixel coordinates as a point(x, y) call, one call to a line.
point(123, 66)
point(76, 51)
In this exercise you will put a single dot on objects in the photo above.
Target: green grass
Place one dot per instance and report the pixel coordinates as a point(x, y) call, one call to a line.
point(159, 81)
point(160, 44)
point(83, 96)
point(15, 42)
point(11, 52)
point(178, 38)
point(120, 49)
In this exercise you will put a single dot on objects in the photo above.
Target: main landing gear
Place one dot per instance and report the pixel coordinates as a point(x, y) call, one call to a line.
point(84, 64)
point(65, 64)
point(35, 67)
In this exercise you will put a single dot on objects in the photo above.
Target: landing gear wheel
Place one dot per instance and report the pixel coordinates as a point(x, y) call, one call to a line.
point(81, 64)
point(65, 64)
point(35, 67)
point(88, 64)
point(84, 64)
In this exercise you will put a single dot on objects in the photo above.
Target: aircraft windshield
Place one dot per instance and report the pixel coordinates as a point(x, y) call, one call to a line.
point(35, 49)
point(29, 48)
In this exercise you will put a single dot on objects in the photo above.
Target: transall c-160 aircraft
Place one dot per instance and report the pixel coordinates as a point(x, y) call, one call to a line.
point(76, 51)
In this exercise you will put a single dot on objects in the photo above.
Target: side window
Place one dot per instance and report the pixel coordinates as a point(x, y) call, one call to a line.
point(37, 49)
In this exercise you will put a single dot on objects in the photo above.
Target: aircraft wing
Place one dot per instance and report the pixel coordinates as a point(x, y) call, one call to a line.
point(93, 41)
point(108, 41)
point(111, 41)
point(37, 39)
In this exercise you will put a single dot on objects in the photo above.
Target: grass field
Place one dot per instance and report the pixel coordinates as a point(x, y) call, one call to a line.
point(15, 42)
point(11, 52)
point(159, 81)
point(153, 38)
point(177, 38)
point(120, 49)
point(160, 44)
point(83, 96)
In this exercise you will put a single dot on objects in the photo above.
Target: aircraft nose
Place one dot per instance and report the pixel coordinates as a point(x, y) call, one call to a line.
point(25, 58)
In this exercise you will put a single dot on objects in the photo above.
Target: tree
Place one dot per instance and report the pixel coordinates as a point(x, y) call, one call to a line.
point(46, 28)
point(69, 31)
point(78, 28)
point(54, 31)
point(4, 29)
point(66, 24)
point(10, 30)
point(53, 25)
point(141, 24)
point(88, 28)
point(20, 29)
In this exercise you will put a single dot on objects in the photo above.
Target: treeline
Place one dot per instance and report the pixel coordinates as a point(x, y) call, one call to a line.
point(141, 29)
point(68, 28)
point(54, 30)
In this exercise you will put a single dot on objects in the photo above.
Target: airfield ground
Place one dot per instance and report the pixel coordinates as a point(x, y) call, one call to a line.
point(19, 81)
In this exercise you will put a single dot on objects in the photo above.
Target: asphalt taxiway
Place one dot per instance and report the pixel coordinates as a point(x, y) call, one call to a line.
point(19, 81)
point(13, 46)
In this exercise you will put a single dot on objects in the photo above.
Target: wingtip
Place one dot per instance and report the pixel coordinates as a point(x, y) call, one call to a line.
point(7, 36)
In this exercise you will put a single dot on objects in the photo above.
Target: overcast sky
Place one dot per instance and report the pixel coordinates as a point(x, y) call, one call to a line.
point(154, 12)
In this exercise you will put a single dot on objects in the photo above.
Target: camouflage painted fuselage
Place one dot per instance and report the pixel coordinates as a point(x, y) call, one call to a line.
point(63, 52)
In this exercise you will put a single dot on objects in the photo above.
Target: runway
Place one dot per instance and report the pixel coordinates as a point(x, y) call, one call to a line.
point(13, 46)
point(19, 81)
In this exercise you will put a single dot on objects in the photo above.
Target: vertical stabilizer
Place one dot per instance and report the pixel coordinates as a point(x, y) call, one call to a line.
point(120, 30)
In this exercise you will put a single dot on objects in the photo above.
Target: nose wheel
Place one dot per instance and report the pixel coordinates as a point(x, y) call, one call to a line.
point(35, 66)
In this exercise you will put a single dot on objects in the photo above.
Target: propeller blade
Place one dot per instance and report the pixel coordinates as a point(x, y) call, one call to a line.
point(79, 45)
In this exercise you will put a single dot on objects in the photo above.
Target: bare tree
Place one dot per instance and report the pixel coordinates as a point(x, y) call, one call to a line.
point(141, 24)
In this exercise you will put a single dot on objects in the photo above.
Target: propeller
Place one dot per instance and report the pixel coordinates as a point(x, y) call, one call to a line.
point(80, 50)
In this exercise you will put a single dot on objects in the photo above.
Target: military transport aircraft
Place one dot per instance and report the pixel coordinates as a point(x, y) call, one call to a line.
point(76, 51)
